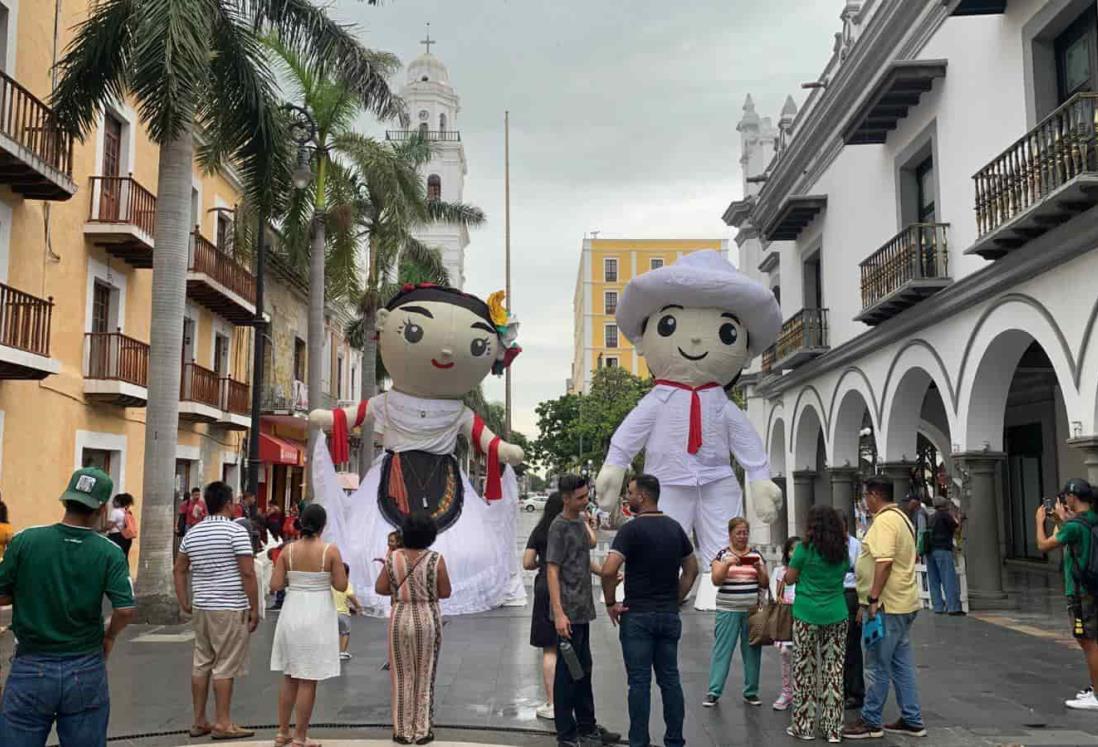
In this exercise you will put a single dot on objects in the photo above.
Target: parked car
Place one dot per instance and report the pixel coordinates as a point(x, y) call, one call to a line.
point(533, 502)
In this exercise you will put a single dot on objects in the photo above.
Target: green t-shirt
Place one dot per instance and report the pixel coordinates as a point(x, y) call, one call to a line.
point(819, 599)
point(57, 576)
point(1075, 536)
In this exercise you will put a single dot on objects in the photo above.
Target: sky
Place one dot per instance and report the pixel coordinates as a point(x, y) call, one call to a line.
point(623, 121)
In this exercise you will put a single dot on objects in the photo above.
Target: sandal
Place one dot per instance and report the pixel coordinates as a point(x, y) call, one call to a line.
point(281, 740)
point(199, 731)
point(306, 743)
point(401, 740)
point(427, 739)
point(233, 732)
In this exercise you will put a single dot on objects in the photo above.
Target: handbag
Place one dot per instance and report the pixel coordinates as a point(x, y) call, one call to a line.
point(771, 621)
point(758, 622)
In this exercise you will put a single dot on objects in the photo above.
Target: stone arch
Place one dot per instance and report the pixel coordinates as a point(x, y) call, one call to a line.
point(914, 369)
point(991, 358)
point(852, 402)
point(808, 428)
point(1086, 374)
point(776, 448)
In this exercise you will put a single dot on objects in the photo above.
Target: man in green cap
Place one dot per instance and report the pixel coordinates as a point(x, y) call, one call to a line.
point(56, 577)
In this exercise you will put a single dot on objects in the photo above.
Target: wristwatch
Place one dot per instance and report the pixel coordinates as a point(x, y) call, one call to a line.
point(872, 600)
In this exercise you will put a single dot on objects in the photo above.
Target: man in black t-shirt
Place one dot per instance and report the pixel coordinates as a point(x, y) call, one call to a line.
point(654, 548)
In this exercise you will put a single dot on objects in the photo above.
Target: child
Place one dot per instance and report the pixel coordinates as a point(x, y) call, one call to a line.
point(785, 648)
point(346, 605)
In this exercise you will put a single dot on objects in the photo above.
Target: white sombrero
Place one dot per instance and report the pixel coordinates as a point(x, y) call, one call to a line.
point(702, 280)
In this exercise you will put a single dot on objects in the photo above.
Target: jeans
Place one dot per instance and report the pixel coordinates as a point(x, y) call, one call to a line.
point(890, 660)
point(732, 628)
point(43, 689)
point(853, 682)
point(573, 700)
point(941, 573)
point(650, 641)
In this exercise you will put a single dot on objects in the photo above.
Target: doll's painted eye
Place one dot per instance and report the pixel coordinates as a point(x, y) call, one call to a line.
point(413, 333)
point(667, 326)
point(478, 347)
point(729, 334)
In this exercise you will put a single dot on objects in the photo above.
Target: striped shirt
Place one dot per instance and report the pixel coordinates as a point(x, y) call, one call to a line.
point(740, 590)
point(213, 546)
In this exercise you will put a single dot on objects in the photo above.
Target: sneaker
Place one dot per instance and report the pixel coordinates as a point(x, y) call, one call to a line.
point(861, 730)
point(1084, 692)
point(958, 613)
point(834, 740)
point(795, 735)
point(1086, 703)
point(345, 655)
point(710, 701)
point(601, 736)
point(545, 711)
point(899, 726)
point(783, 702)
point(752, 700)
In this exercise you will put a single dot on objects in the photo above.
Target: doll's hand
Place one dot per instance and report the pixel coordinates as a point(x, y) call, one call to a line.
point(608, 487)
point(766, 497)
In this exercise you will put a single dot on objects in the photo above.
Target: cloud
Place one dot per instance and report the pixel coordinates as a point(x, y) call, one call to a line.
point(623, 119)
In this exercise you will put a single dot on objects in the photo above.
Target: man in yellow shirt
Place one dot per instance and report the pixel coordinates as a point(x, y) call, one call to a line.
point(885, 577)
point(346, 604)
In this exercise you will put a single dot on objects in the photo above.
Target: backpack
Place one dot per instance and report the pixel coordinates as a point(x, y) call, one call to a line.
point(129, 526)
point(1086, 573)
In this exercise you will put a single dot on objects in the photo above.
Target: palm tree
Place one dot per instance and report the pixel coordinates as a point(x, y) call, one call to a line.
point(195, 66)
point(398, 205)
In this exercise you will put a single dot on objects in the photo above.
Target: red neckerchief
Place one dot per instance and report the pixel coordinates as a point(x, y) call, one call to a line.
point(694, 442)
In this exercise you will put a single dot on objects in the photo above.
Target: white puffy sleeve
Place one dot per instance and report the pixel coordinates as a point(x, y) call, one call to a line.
point(632, 435)
point(746, 445)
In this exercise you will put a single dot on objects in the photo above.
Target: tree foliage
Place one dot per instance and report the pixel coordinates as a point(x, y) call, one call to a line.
point(577, 428)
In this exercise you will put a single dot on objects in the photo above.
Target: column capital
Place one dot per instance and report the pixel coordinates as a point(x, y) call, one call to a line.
point(896, 469)
point(805, 474)
point(1086, 443)
point(980, 461)
point(843, 474)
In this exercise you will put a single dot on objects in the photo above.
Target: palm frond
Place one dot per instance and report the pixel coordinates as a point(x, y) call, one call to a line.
point(94, 68)
point(170, 63)
point(420, 263)
point(455, 212)
point(308, 29)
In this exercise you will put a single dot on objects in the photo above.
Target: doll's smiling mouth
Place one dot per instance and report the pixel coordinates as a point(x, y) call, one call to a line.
point(436, 364)
point(692, 357)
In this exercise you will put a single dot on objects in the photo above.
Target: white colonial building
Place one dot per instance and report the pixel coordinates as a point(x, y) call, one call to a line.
point(433, 107)
point(927, 221)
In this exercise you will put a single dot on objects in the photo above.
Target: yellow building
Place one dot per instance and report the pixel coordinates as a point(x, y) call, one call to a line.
point(76, 247)
point(606, 265)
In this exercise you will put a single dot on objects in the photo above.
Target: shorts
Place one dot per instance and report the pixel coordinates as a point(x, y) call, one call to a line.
point(1083, 612)
point(221, 641)
point(344, 624)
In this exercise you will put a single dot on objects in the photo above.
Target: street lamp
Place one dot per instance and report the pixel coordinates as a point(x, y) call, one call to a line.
point(302, 129)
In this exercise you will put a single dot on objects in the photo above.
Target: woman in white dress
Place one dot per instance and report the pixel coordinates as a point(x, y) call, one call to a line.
point(306, 640)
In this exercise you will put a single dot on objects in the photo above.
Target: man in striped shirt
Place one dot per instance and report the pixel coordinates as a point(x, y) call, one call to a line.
point(217, 556)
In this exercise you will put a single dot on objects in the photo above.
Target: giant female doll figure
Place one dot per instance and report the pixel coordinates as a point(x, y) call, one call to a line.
point(437, 344)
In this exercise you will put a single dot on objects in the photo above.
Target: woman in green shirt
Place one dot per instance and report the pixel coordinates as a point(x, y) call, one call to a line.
point(819, 626)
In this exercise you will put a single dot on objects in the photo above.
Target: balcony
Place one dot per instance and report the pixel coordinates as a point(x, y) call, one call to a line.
point(1042, 181)
point(235, 401)
point(767, 364)
point(199, 394)
point(803, 337)
point(219, 282)
point(431, 136)
point(116, 369)
point(35, 156)
point(795, 214)
point(888, 102)
point(980, 8)
point(910, 267)
point(25, 335)
point(122, 219)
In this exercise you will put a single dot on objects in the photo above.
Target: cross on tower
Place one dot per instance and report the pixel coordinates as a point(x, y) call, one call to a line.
point(428, 41)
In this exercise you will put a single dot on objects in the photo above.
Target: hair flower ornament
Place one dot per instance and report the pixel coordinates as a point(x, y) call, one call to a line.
point(507, 325)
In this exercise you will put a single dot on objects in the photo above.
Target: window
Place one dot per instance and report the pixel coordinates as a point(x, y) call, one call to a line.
point(442, 122)
point(656, 263)
point(221, 355)
point(299, 359)
point(224, 232)
point(339, 378)
point(423, 130)
point(610, 270)
point(924, 191)
point(777, 291)
point(612, 363)
point(610, 299)
point(101, 307)
point(189, 328)
point(813, 286)
point(1076, 50)
point(195, 203)
point(611, 335)
point(100, 458)
point(434, 187)
point(111, 189)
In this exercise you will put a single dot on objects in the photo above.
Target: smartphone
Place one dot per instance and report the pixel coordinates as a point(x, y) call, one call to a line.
point(1050, 506)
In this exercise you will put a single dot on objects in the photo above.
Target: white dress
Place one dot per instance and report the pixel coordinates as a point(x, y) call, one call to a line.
point(479, 547)
point(306, 639)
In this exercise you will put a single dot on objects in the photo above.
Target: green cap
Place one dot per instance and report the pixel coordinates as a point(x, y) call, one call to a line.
point(90, 486)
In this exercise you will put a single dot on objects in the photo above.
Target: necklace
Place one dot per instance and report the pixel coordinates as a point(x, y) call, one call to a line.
point(421, 486)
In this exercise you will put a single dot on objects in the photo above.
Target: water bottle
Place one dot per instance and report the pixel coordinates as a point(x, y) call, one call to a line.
point(571, 659)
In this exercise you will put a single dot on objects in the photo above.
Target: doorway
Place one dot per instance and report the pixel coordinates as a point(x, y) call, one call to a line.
point(1025, 477)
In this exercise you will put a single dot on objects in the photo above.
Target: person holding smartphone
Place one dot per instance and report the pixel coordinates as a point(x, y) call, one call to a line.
point(1075, 513)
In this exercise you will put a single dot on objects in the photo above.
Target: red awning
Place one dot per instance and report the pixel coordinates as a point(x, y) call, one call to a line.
point(275, 450)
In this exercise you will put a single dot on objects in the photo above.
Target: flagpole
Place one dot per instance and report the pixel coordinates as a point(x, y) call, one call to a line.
point(507, 250)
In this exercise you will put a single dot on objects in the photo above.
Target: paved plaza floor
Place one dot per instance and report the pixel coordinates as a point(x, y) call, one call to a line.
point(990, 679)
